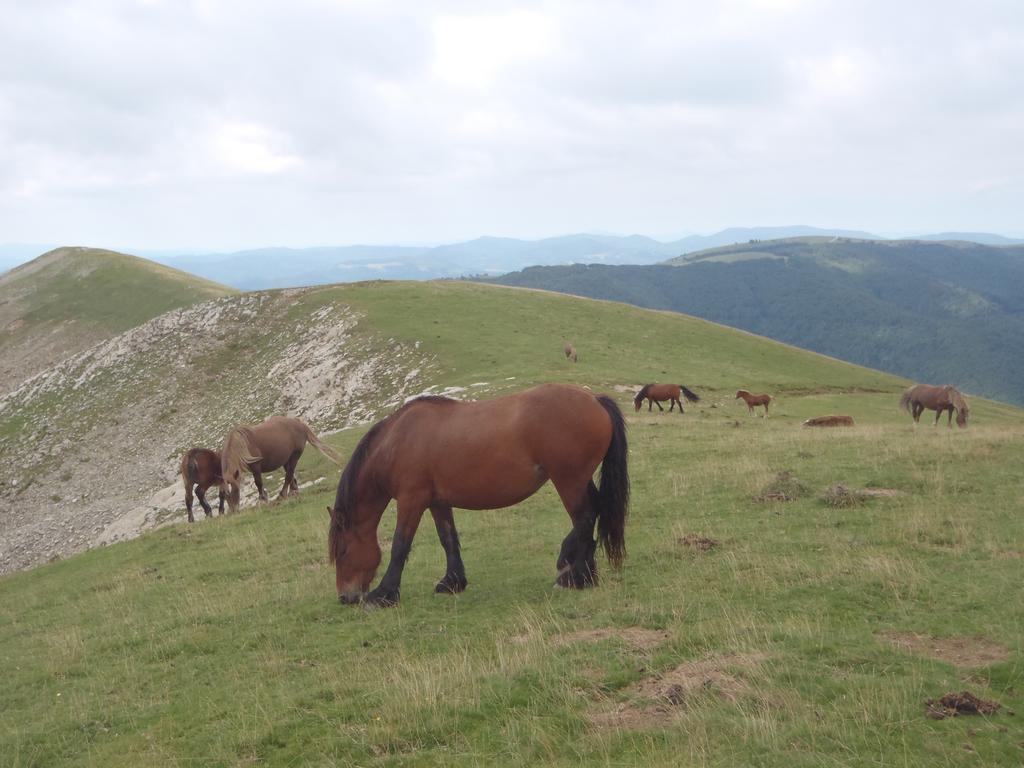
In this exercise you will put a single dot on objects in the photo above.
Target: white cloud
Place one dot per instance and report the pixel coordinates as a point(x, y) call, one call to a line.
point(234, 123)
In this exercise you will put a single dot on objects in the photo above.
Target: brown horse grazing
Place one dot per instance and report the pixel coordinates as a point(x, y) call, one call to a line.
point(938, 399)
point(570, 353)
point(277, 442)
point(435, 453)
point(754, 400)
point(200, 467)
point(655, 392)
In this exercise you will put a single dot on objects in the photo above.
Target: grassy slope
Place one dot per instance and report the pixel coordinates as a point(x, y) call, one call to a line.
point(222, 644)
point(71, 298)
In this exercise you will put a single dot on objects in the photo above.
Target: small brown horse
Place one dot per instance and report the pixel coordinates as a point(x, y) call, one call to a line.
point(436, 453)
point(655, 392)
point(754, 400)
point(277, 442)
point(938, 399)
point(200, 467)
point(570, 353)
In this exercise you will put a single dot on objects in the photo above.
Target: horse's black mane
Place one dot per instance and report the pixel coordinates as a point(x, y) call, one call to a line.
point(429, 399)
point(642, 393)
point(346, 497)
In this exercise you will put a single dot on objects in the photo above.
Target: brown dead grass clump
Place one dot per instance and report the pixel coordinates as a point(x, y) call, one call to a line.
point(698, 543)
point(841, 497)
point(637, 637)
point(657, 700)
point(968, 652)
point(963, 703)
point(784, 487)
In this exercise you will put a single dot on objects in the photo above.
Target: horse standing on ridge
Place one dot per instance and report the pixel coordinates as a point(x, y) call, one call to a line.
point(654, 393)
point(277, 442)
point(200, 467)
point(436, 453)
point(754, 400)
point(939, 399)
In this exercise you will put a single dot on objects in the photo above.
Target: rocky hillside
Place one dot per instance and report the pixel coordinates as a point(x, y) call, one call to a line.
point(90, 439)
point(69, 299)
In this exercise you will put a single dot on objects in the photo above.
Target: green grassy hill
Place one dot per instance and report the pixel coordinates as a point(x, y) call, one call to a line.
point(809, 634)
point(942, 312)
point(71, 298)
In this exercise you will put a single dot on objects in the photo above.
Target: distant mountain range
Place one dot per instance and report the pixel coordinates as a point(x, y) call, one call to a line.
point(289, 267)
point(943, 312)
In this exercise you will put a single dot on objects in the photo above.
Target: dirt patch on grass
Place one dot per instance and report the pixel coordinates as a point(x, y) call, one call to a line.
point(968, 652)
point(657, 700)
point(963, 703)
point(785, 487)
point(698, 543)
point(637, 637)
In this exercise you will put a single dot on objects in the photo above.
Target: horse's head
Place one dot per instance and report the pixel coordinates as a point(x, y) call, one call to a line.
point(739, 393)
point(232, 490)
point(639, 399)
point(355, 554)
point(961, 417)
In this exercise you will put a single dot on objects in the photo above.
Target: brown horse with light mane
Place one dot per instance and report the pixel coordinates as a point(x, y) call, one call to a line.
point(939, 399)
point(436, 453)
point(200, 467)
point(753, 400)
point(653, 393)
point(277, 442)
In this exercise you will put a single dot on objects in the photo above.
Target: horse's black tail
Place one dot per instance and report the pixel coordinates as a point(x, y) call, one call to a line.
point(688, 394)
point(613, 494)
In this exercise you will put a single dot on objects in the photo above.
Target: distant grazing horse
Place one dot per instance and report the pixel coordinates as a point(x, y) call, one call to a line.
point(938, 399)
point(655, 392)
point(277, 442)
point(754, 400)
point(570, 352)
point(436, 453)
point(200, 467)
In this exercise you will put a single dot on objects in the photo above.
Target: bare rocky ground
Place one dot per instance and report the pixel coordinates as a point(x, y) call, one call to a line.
point(91, 446)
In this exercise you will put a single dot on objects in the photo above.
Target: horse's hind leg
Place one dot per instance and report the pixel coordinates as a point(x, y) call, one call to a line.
point(576, 565)
point(188, 501)
point(220, 504)
point(410, 511)
point(658, 403)
point(201, 495)
point(454, 579)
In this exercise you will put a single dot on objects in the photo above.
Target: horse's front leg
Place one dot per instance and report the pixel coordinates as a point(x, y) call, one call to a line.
point(650, 404)
point(410, 511)
point(454, 579)
point(257, 477)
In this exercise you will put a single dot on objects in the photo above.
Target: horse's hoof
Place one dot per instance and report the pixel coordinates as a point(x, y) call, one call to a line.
point(380, 599)
point(449, 586)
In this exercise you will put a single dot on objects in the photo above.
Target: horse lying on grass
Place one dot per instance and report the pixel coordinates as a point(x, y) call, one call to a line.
point(436, 453)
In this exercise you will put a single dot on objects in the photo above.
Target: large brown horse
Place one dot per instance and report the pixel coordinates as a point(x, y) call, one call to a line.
point(938, 399)
point(277, 442)
point(753, 400)
point(200, 467)
point(654, 393)
point(436, 453)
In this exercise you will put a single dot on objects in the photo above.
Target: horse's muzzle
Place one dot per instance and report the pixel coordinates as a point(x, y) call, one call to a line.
point(350, 598)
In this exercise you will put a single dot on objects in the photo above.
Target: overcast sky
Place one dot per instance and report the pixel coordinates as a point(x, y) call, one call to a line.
point(224, 125)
